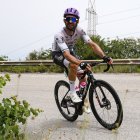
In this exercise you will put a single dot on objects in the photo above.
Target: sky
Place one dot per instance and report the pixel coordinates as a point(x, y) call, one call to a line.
point(27, 25)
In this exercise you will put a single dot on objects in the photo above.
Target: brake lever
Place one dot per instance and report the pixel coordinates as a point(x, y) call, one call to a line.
point(108, 67)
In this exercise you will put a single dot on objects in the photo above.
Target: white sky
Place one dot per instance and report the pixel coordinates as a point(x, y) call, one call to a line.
point(27, 25)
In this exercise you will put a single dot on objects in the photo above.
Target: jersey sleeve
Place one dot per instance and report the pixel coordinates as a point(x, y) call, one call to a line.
point(60, 42)
point(83, 35)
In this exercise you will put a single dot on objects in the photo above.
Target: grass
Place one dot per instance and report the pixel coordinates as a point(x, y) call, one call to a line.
point(57, 69)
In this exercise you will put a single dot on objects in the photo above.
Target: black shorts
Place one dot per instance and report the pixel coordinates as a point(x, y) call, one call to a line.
point(58, 58)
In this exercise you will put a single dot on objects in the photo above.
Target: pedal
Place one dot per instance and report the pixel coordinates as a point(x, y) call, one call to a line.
point(79, 109)
point(67, 103)
point(80, 112)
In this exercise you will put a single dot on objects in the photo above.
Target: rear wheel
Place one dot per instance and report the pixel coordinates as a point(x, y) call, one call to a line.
point(63, 101)
point(106, 105)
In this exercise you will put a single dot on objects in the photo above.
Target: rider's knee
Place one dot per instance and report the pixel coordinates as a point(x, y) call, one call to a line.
point(73, 66)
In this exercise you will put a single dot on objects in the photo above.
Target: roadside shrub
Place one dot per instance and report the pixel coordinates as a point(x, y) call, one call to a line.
point(13, 113)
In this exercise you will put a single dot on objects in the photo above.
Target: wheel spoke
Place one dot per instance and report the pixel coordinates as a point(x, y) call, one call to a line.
point(106, 105)
point(64, 103)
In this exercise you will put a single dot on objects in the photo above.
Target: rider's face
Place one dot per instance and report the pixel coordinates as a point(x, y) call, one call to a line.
point(71, 21)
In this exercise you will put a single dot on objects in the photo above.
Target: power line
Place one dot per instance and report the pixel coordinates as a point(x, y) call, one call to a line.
point(32, 43)
point(118, 12)
point(29, 44)
point(118, 20)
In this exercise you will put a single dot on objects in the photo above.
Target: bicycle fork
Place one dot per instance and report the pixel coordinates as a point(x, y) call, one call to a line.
point(104, 102)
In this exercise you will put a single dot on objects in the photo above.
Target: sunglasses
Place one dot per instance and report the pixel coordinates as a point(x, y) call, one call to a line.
point(71, 19)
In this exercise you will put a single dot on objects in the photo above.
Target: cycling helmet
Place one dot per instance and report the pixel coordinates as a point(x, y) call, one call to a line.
point(72, 11)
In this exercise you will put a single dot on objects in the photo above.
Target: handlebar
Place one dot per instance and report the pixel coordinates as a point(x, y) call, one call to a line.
point(94, 64)
point(97, 63)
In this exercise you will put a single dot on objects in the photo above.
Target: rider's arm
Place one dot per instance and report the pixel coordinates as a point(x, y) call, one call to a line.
point(100, 52)
point(71, 58)
point(93, 45)
point(96, 48)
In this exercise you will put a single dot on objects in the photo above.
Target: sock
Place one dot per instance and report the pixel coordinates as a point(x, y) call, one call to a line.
point(72, 85)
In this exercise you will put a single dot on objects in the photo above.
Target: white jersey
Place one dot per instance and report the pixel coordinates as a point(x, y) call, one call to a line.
point(63, 42)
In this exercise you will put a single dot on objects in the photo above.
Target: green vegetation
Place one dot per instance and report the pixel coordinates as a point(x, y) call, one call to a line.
point(12, 114)
point(39, 55)
point(118, 69)
point(127, 48)
point(117, 48)
point(31, 69)
point(57, 69)
point(3, 58)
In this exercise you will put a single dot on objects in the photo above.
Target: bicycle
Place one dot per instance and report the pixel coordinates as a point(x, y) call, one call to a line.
point(100, 95)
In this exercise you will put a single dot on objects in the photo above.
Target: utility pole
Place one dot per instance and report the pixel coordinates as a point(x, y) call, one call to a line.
point(92, 18)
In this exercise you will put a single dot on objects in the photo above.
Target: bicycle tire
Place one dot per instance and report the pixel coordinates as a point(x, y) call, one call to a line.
point(58, 85)
point(102, 85)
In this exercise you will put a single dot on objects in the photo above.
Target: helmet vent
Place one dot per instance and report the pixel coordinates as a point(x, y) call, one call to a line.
point(75, 11)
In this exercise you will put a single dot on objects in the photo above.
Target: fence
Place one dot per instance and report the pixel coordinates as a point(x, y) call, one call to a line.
point(50, 62)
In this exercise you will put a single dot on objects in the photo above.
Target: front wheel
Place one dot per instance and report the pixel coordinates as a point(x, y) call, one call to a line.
point(63, 101)
point(105, 104)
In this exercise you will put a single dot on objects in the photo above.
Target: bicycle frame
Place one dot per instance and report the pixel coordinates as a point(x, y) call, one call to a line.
point(91, 81)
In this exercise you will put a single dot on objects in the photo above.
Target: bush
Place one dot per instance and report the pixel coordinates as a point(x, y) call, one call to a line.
point(13, 113)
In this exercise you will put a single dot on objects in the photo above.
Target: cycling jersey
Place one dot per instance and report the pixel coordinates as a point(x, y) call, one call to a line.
point(63, 42)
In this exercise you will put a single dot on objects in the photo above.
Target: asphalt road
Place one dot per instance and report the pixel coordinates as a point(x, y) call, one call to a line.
point(38, 90)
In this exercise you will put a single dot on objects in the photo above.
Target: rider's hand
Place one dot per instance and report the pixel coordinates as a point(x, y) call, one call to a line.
point(85, 66)
point(88, 67)
point(108, 59)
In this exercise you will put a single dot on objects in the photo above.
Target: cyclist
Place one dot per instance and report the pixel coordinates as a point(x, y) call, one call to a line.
point(63, 53)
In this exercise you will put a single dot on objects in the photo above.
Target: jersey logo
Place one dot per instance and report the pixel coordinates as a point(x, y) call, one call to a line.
point(84, 33)
point(60, 39)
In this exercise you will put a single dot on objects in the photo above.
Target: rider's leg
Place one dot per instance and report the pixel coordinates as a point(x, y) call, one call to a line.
point(72, 75)
point(72, 78)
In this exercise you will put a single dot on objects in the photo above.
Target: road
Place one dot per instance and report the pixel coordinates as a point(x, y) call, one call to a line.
point(38, 90)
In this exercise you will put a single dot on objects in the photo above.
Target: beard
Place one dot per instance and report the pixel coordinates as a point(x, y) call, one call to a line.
point(71, 28)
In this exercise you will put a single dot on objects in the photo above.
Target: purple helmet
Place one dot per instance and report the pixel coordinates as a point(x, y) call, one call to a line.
point(72, 11)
